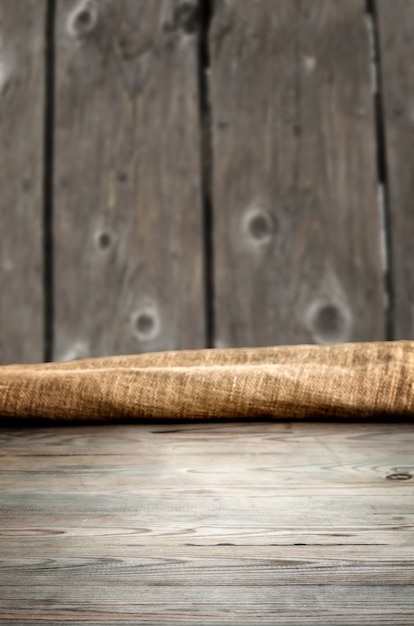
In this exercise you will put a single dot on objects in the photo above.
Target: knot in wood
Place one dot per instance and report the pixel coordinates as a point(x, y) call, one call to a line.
point(399, 476)
point(259, 225)
point(329, 322)
point(82, 20)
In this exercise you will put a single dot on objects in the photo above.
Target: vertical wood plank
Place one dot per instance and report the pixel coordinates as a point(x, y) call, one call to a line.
point(297, 223)
point(128, 219)
point(22, 67)
point(396, 38)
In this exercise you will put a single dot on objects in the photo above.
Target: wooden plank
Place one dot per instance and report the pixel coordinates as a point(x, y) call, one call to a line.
point(22, 101)
point(297, 223)
point(243, 523)
point(128, 222)
point(262, 604)
point(396, 39)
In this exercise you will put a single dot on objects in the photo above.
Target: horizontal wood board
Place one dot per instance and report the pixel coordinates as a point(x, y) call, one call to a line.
point(240, 523)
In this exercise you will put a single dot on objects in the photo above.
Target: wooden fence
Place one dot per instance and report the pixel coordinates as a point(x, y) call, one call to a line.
point(179, 174)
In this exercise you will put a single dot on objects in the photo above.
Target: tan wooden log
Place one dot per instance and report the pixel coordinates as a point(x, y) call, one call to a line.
point(360, 380)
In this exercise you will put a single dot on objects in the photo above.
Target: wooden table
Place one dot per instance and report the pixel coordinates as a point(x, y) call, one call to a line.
point(208, 523)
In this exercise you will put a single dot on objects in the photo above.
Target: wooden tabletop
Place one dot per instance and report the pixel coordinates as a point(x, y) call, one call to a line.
point(208, 523)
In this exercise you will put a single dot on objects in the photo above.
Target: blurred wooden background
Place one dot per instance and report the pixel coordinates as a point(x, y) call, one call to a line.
point(178, 174)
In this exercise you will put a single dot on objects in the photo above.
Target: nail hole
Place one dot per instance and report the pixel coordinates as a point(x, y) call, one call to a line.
point(329, 323)
point(399, 476)
point(82, 21)
point(146, 324)
point(104, 240)
point(84, 18)
point(260, 226)
point(122, 176)
point(329, 320)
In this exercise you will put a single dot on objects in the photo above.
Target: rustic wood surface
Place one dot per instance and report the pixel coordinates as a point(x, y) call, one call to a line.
point(127, 198)
point(396, 38)
point(125, 229)
point(296, 215)
point(22, 67)
point(214, 523)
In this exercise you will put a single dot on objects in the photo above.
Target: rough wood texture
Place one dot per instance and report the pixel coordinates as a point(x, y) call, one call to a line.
point(128, 232)
point(297, 223)
point(22, 63)
point(208, 523)
point(396, 38)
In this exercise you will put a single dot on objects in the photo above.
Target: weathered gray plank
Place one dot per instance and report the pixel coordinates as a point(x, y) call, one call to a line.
point(242, 523)
point(396, 38)
point(314, 604)
point(22, 93)
point(128, 223)
point(296, 216)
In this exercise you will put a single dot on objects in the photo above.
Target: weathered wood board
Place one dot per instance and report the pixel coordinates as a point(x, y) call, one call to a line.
point(297, 228)
point(396, 39)
point(266, 523)
point(127, 197)
point(22, 101)
point(297, 225)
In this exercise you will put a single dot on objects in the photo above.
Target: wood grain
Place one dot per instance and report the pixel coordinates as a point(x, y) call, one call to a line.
point(128, 232)
point(297, 222)
point(22, 101)
point(396, 38)
point(266, 523)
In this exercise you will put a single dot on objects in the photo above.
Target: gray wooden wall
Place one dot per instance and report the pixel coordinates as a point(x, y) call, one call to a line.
point(179, 174)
